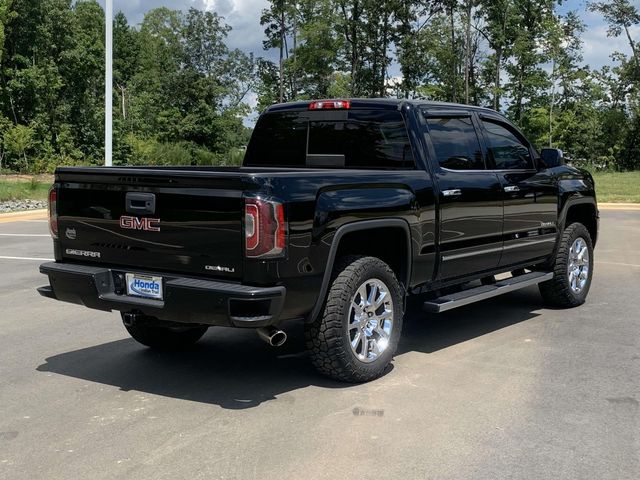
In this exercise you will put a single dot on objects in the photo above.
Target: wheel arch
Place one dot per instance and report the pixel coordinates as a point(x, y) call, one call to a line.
point(583, 211)
point(348, 240)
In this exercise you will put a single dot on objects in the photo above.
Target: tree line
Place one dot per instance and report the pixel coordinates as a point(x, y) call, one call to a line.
point(180, 93)
point(520, 57)
point(179, 90)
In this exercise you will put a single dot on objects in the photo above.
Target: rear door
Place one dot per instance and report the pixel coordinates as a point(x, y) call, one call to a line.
point(530, 195)
point(470, 213)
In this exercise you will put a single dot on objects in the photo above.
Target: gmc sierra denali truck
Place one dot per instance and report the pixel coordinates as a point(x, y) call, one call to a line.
point(342, 209)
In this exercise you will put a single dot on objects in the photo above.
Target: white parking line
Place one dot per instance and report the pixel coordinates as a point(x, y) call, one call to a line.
point(24, 235)
point(27, 258)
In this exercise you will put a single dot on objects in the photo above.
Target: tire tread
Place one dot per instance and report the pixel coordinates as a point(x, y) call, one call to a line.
point(323, 337)
point(557, 291)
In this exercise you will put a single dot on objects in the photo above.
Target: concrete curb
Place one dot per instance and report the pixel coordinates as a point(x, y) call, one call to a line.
point(38, 211)
point(40, 214)
point(619, 206)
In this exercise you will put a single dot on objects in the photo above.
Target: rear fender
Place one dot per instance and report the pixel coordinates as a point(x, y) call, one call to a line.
point(395, 223)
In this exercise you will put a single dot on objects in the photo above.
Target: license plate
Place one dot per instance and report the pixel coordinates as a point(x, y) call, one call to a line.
point(144, 286)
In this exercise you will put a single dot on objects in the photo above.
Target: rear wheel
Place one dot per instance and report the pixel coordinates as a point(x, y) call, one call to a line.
point(164, 337)
point(573, 269)
point(356, 336)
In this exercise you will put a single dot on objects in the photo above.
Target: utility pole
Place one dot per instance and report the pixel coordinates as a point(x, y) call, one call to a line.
point(467, 51)
point(553, 100)
point(108, 84)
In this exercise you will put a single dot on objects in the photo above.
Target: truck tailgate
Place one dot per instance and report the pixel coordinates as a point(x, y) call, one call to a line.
point(194, 226)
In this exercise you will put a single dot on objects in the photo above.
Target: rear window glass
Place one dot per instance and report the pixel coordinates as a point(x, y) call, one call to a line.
point(278, 139)
point(353, 138)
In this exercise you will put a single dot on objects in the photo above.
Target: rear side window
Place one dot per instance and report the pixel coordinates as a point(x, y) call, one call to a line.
point(353, 138)
point(505, 150)
point(455, 143)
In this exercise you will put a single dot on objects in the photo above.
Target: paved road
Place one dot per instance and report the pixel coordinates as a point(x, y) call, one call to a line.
point(502, 389)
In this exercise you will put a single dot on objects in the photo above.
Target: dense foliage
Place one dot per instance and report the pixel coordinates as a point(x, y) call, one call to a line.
point(178, 89)
point(180, 94)
point(517, 56)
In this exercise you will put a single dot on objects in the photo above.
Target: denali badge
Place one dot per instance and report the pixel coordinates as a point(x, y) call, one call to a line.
point(218, 268)
point(135, 223)
point(82, 253)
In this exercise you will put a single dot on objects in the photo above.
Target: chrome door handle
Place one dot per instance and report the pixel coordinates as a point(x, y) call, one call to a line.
point(456, 192)
point(511, 188)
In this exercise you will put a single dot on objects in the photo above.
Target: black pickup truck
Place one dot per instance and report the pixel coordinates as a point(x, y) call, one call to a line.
point(341, 209)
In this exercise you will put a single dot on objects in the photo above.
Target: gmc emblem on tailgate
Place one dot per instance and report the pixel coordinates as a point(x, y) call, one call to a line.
point(135, 223)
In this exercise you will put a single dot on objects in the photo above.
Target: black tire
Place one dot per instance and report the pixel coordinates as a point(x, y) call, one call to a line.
point(165, 338)
point(558, 292)
point(328, 338)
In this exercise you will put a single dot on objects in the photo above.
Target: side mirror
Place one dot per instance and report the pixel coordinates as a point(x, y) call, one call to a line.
point(551, 157)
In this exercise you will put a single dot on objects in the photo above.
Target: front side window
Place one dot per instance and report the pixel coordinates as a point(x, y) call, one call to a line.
point(455, 143)
point(505, 150)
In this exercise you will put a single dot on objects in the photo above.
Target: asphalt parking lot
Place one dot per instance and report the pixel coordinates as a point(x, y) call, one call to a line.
point(500, 389)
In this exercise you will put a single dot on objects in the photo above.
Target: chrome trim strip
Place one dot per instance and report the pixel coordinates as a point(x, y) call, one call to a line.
point(470, 254)
point(523, 243)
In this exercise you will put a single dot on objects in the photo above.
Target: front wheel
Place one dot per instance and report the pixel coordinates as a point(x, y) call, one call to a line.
point(165, 338)
point(573, 269)
point(355, 337)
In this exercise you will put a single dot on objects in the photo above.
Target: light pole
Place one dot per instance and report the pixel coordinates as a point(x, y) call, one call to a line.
point(108, 83)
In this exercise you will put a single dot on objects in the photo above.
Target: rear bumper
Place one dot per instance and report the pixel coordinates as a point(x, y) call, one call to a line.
point(186, 300)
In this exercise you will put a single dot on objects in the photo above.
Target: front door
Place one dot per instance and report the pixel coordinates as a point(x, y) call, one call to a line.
point(530, 196)
point(470, 223)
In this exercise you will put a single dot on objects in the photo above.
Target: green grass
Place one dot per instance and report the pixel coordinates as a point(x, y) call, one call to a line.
point(617, 187)
point(23, 190)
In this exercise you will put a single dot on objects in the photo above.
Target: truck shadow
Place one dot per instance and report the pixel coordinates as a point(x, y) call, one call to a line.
point(430, 333)
point(235, 370)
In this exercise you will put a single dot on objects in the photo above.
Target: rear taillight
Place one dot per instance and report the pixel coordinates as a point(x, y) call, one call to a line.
point(265, 228)
point(53, 212)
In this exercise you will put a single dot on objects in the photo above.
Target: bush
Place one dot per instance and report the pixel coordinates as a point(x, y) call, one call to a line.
point(18, 140)
point(145, 151)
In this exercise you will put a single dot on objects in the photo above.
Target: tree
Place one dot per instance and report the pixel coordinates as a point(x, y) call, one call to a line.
point(528, 80)
point(499, 30)
point(18, 139)
point(5, 15)
point(411, 45)
point(621, 16)
point(563, 46)
point(126, 58)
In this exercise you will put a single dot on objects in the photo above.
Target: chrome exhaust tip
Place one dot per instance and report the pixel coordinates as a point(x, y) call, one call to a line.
point(273, 336)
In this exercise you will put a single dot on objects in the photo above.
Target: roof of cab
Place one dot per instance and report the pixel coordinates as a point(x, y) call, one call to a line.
point(381, 103)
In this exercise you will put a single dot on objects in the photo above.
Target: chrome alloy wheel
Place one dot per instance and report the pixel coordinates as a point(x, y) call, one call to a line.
point(370, 320)
point(578, 268)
